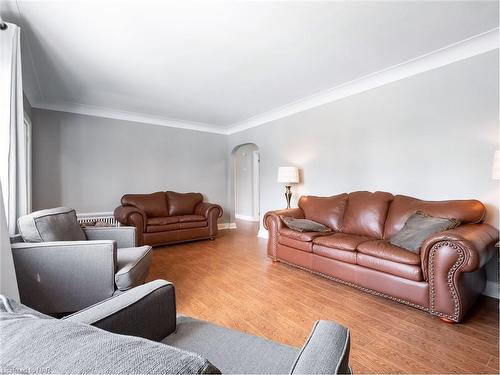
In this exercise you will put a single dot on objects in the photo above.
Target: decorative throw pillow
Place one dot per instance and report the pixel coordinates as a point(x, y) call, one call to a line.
point(418, 228)
point(304, 225)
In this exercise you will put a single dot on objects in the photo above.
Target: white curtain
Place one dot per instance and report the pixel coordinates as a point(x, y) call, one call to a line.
point(14, 171)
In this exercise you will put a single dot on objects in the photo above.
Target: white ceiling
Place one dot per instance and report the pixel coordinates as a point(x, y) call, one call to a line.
point(220, 63)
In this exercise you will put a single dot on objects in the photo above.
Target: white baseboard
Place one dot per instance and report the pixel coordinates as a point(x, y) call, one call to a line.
point(263, 233)
point(223, 226)
point(246, 217)
point(491, 289)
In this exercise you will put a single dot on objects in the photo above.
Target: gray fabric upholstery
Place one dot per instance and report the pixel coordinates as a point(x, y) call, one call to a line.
point(124, 236)
point(34, 344)
point(132, 266)
point(326, 351)
point(146, 311)
point(59, 277)
point(231, 351)
point(55, 224)
point(418, 228)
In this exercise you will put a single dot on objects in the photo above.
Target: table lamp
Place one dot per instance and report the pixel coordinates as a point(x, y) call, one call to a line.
point(288, 176)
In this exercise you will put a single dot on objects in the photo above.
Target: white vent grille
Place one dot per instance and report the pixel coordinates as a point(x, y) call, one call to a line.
point(106, 217)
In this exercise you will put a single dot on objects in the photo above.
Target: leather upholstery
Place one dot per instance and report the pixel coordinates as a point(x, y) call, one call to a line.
point(466, 211)
point(366, 213)
point(342, 241)
point(444, 279)
point(182, 204)
point(325, 210)
point(178, 217)
point(385, 250)
point(153, 205)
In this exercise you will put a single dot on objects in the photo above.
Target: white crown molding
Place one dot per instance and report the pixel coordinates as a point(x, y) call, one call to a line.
point(461, 50)
point(464, 49)
point(88, 110)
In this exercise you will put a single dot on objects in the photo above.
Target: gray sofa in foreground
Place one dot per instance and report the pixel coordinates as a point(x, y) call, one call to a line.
point(62, 268)
point(139, 332)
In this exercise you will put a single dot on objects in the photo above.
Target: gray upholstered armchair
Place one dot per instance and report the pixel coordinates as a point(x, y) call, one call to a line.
point(63, 268)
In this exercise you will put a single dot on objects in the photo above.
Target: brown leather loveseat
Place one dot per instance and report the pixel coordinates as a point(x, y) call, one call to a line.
point(168, 217)
point(444, 279)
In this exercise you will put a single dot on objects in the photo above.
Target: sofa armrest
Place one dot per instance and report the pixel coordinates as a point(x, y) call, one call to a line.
point(204, 208)
point(131, 215)
point(326, 351)
point(64, 276)
point(476, 240)
point(124, 236)
point(272, 222)
point(146, 311)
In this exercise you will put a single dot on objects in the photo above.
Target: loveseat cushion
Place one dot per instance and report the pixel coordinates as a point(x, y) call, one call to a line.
point(163, 220)
point(65, 347)
point(332, 253)
point(162, 228)
point(154, 204)
point(132, 266)
point(385, 250)
point(366, 213)
point(300, 236)
point(296, 244)
point(325, 210)
point(465, 211)
point(342, 241)
point(182, 203)
point(55, 224)
point(191, 218)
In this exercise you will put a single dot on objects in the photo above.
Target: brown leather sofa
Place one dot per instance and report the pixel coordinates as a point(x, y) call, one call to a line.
point(444, 279)
point(167, 217)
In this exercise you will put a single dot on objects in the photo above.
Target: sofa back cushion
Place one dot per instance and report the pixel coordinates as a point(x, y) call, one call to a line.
point(154, 205)
point(55, 224)
point(65, 347)
point(402, 207)
point(366, 212)
point(182, 203)
point(325, 210)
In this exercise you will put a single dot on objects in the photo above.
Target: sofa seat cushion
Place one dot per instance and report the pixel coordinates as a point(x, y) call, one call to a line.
point(162, 228)
point(296, 244)
point(191, 218)
point(385, 250)
point(132, 264)
point(193, 224)
point(300, 236)
point(347, 256)
point(342, 241)
point(407, 271)
point(163, 220)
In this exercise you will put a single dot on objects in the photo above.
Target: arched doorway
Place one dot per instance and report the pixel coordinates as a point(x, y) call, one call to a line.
point(246, 161)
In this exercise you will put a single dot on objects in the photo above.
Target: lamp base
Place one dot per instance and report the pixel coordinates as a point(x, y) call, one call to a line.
point(288, 196)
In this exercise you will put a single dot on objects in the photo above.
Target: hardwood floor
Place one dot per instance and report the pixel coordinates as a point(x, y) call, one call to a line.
point(231, 282)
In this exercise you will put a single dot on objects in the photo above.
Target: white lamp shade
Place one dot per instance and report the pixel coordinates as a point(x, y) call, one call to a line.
point(288, 175)
point(496, 166)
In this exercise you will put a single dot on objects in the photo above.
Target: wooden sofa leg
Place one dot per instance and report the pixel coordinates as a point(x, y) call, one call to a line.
point(449, 321)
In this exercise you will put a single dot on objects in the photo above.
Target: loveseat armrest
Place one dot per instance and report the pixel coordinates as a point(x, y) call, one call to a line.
point(326, 351)
point(146, 311)
point(272, 222)
point(204, 209)
point(64, 276)
point(131, 215)
point(124, 236)
point(476, 240)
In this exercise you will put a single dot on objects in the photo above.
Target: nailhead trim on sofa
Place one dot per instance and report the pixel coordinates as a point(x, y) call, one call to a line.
point(451, 285)
point(371, 291)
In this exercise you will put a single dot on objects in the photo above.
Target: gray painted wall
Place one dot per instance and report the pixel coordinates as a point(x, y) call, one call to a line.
point(89, 162)
point(432, 136)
